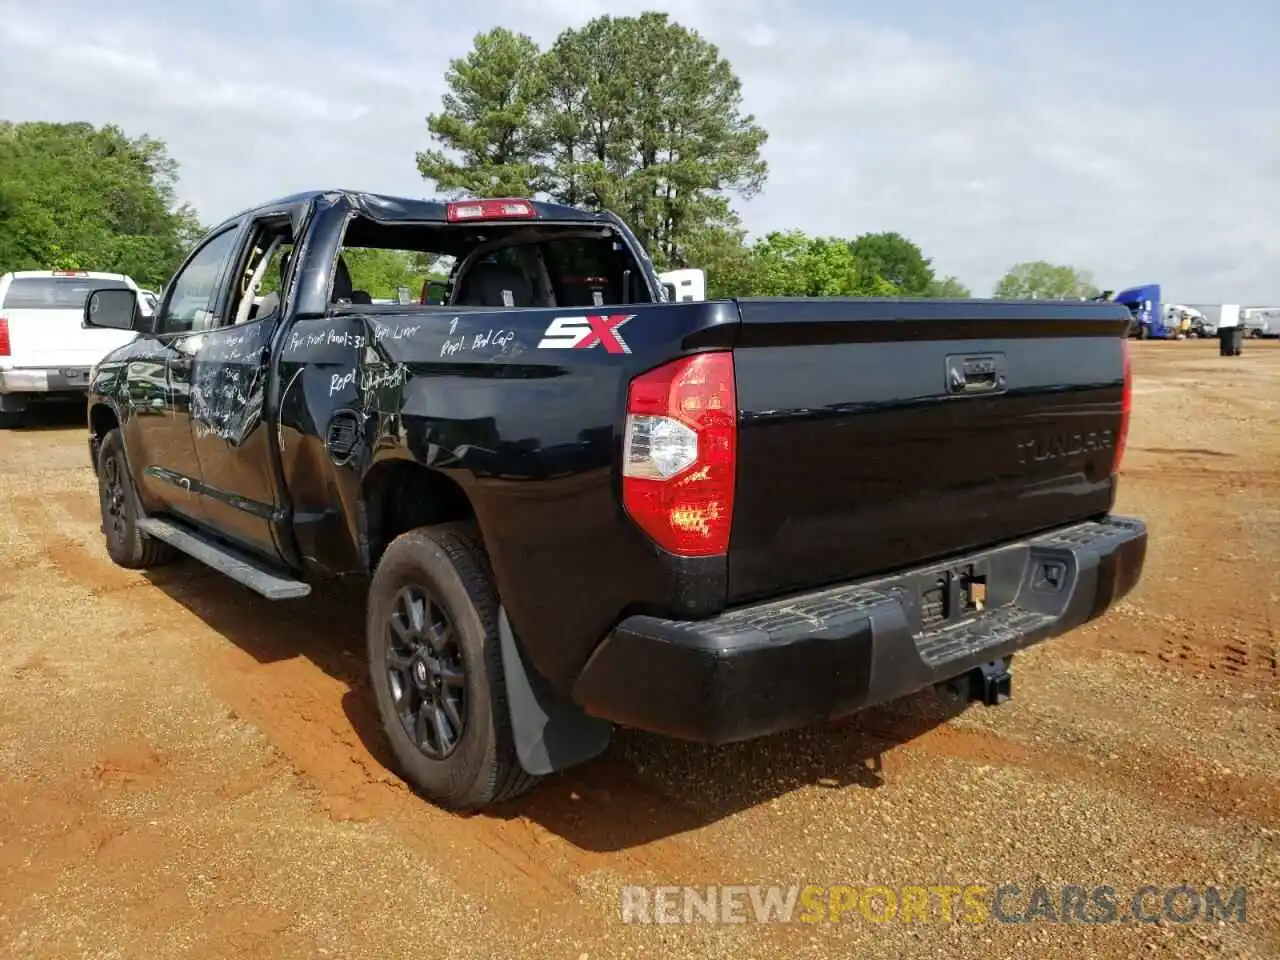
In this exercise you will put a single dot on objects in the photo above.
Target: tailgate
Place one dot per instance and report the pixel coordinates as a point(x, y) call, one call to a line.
point(54, 338)
point(876, 435)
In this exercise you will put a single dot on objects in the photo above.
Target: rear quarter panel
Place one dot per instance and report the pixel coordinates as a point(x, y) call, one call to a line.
point(530, 432)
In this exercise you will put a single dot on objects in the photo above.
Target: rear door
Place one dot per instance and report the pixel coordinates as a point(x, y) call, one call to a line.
point(229, 381)
point(876, 435)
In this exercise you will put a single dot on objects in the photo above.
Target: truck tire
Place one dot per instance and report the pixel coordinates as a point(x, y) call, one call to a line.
point(126, 544)
point(436, 666)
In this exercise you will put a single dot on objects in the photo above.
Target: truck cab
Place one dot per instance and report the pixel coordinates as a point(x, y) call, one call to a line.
point(1151, 319)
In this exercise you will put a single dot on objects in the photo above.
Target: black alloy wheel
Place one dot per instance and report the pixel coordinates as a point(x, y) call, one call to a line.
point(115, 517)
point(426, 672)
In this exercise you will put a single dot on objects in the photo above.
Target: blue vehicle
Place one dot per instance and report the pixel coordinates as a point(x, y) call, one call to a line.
point(1147, 312)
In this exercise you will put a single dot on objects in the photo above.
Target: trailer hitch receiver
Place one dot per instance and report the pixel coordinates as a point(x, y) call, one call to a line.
point(991, 683)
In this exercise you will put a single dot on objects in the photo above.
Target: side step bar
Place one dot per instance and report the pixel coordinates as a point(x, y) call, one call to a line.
point(226, 560)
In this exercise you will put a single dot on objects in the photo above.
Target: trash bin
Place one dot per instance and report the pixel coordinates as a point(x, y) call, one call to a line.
point(1224, 341)
point(1237, 340)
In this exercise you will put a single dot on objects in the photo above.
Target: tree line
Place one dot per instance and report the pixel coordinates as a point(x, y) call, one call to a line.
point(637, 115)
point(74, 196)
point(643, 117)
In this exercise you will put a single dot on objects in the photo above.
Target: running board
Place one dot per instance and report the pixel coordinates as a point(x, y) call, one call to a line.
point(226, 560)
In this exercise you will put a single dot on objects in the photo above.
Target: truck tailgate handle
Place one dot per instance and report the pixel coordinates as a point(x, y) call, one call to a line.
point(980, 373)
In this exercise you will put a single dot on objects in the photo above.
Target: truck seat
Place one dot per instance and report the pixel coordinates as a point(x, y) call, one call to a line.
point(495, 285)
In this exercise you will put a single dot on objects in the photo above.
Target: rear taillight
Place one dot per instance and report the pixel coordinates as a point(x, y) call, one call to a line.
point(680, 454)
point(1126, 407)
point(5, 347)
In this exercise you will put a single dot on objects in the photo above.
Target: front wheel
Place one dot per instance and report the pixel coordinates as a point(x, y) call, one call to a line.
point(436, 668)
point(126, 544)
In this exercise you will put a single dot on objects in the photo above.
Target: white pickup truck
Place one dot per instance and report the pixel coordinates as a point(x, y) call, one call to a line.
point(45, 352)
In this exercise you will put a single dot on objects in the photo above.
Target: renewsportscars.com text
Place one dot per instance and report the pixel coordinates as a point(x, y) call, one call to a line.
point(940, 903)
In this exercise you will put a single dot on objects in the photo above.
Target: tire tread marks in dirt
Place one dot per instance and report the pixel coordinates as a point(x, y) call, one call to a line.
point(1243, 658)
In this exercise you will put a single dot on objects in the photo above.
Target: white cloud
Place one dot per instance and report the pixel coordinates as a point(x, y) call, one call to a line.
point(988, 146)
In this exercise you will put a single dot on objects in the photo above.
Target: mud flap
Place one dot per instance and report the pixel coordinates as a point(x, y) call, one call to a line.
point(551, 732)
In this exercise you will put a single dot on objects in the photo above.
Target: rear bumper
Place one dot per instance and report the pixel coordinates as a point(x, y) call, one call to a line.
point(43, 380)
point(773, 666)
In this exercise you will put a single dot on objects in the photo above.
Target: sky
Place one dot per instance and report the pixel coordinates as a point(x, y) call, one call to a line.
point(1138, 141)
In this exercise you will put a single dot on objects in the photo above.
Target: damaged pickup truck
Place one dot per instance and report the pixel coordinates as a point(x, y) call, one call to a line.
point(580, 505)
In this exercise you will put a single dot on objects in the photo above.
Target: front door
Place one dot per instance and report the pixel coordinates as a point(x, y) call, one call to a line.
point(158, 447)
point(158, 382)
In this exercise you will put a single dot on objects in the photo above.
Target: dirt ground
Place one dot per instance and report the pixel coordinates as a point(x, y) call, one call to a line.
point(189, 771)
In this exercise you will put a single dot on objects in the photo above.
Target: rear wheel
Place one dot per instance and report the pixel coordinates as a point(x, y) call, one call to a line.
point(126, 544)
point(436, 668)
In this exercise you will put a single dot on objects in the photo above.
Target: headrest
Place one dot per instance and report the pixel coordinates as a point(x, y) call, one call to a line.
point(496, 285)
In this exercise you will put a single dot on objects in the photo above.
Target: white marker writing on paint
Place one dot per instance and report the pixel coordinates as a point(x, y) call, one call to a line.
point(340, 381)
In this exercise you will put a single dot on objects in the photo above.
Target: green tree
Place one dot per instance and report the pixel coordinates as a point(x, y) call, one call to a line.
point(646, 121)
point(721, 252)
point(899, 261)
point(1040, 280)
point(792, 264)
point(949, 288)
point(380, 273)
point(490, 120)
point(637, 115)
point(74, 196)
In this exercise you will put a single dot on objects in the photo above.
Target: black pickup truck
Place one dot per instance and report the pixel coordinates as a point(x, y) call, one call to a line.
point(580, 505)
